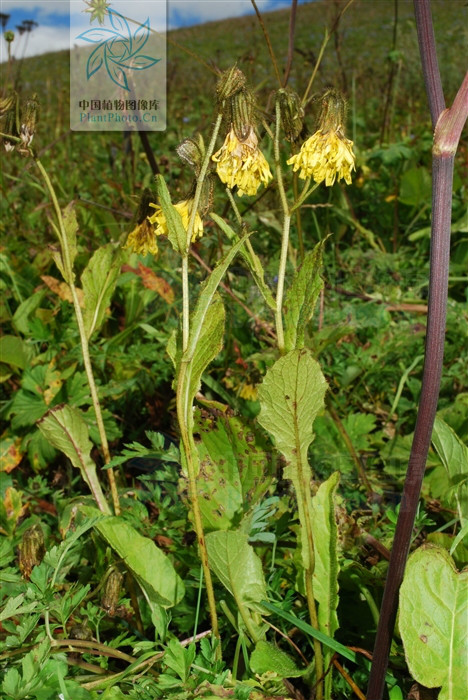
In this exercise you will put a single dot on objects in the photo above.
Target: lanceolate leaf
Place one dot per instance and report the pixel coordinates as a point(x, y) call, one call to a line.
point(210, 342)
point(70, 225)
point(207, 291)
point(301, 297)
point(326, 568)
point(150, 566)
point(433, 621)
point(176, 232)
point(66, 430)
point(454, 455)
point(326, 555)
point(98, 281)
point(238, 568)
point(291, 395)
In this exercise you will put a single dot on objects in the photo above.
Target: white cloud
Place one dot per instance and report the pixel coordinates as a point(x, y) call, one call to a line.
point(42, 40)
point(44, 9)
point(199, 11)
point(47, 37)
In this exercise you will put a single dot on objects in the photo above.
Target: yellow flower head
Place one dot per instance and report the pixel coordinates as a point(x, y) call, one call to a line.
point(242, 164)
point(326, 155)
point(142, 239)
point(184, 207)
point(248, 392)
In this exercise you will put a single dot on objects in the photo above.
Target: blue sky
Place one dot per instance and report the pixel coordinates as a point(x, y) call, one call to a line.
point(52, 16)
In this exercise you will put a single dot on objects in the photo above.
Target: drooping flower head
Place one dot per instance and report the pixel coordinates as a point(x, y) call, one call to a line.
point(142, 239)
point(327, 155)
point(241, 164)
point(184, 207)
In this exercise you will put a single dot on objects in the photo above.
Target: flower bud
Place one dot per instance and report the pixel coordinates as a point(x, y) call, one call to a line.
point(292, 113)
point(7, 103)
point(9, 36)
point(31, 550)
point(192, 152)
point(8, 120)
point(333, 113)
point(28, 122)
point(242, 109)
point(230, 83)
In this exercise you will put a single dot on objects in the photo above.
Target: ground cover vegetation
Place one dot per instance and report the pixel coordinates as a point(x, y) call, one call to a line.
point(211, 366)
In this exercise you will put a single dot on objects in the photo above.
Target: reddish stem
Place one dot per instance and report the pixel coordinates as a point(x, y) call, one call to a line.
point(449, 124)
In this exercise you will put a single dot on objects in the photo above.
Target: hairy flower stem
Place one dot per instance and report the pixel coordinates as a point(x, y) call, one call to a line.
point(191, 459)
point(284, 237)
point(193, 214)
point(449, 124)
point(100, 500)
point(184, 406)
point(303, 494)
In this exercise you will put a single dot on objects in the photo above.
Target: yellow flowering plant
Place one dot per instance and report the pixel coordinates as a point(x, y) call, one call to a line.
point(274, 153)
point(243, 169)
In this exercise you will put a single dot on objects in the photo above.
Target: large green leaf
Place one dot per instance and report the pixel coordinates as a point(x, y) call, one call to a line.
point(233, 470)
point(291, 395)
point(301, 298)
point(238, 568)
point(14, 351)
point(434, 621)
point(98, 281)
point(150, 566)
point(454, 456)
point(65, 429)
point(207, 292)
point(326, 568)
point(210, 342)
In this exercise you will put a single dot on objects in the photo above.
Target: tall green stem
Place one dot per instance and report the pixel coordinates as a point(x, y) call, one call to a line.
point(302, 486)
point(193, 214)
point(68, 267)
point(191, 459)
point(184, 406)
point(284, 237)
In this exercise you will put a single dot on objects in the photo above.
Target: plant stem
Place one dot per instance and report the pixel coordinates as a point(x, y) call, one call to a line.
point(268, 42)
point(193, 214)
point(292, 29)
point(449, 124)
point(304, 502)
point(284, 237)
point(191, 457)
point(184, 406)
point(68, 267)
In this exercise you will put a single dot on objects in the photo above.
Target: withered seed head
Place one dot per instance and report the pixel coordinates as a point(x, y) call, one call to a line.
point(112, 588)
point(31, 550)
